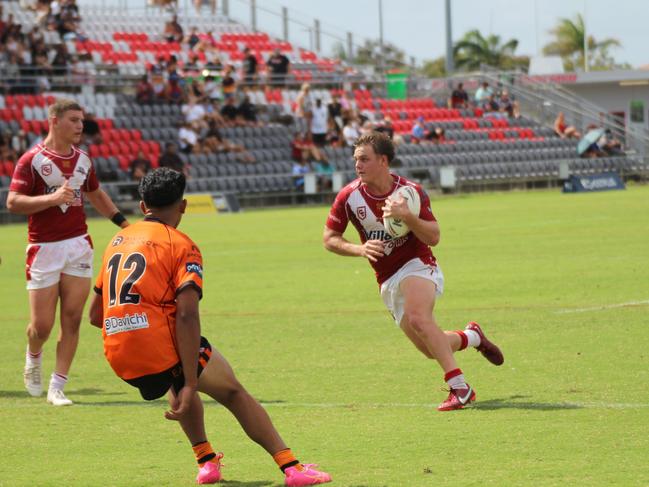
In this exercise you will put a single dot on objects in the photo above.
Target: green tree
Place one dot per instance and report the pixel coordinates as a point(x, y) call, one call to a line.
point(569, 44)
point(370, 53)
point(474, 49)
point(433, 68)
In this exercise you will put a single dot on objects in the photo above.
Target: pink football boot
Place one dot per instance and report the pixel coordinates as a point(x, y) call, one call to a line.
point(307, 476)
point(210, 472)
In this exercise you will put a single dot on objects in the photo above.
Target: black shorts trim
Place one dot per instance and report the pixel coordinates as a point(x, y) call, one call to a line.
point(154, 386)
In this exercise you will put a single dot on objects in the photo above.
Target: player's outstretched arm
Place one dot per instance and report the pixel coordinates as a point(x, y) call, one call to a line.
point(105, 206)
point(188, 336)
point(96, 311)
point(22, 204)
point(334, 242)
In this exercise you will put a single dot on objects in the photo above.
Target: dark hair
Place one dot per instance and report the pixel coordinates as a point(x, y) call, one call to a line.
point(380, 142)
point(162, 187)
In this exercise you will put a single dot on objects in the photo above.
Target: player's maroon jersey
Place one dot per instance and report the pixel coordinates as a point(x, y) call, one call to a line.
point(41, 171)
point(357, 205)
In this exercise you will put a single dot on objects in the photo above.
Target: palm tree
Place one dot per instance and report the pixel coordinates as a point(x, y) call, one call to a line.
point(569, 44)
point(474, 49)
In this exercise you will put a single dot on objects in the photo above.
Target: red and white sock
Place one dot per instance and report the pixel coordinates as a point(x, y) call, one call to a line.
point(32, 359)
point(455, 379)
point(469, 338)
point(58, 381)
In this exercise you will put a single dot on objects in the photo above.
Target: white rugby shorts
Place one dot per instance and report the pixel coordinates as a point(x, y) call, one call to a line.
point(47, 261)
point(391, 289)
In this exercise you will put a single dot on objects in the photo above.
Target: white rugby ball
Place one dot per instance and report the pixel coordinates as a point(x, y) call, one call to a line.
point(394, 226)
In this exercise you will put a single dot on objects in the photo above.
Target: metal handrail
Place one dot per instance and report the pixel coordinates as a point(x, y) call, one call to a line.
point(543, 101)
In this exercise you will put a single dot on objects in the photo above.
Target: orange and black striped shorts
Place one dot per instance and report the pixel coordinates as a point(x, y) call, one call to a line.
point(154, 386)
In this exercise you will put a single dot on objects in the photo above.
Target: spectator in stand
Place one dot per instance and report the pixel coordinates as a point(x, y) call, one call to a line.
point(437, 135)
point(367, 128)
point(91, 131)
point(278, 68)
point(482, 94)
point(336, 111)
point(170, 158)
point(230, 113)
point(247, 112)
point(491, 107)
point(194, 113)
point(228, 83)
point(350, 132)
point(564, 130)
point(212, 89)
point(60, 60)
point(173, 32)
point(609, 144)
point(139, 166)
point(303, 149)
point(192, 67)
point(213, 64)
point(319, 124)
point(215, 142)
point(173, 90)
point(250, 67)
point(192, 38)
point(418, 131)
point(188, 139)
point(459, 98)
point(334, 134)
point(300, 168)
point(508, 105)
point(303, 107)
point(324, 171)
point(144, 93)
point(385, 126)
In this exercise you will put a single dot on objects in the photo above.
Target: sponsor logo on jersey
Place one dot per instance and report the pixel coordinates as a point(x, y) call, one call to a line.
point(81, 170)
point(118, 240)
point(194, 268)
point(46, 169)
point(136, 321)
point(361, 211)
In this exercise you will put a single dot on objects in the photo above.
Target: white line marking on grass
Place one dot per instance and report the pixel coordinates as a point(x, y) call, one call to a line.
point(487, 405)
point(604, 307)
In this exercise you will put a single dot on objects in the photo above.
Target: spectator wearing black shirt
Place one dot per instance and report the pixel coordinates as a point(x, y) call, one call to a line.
point(170, 158)
point(247, 111)
point(335, 109)
point(459, 97)
point(249, 67)
point(91, 131)
point(144, 93)
point(192, 38)
point(139, 166)
point(229, 112)
point(279, 66)
point(228, 83)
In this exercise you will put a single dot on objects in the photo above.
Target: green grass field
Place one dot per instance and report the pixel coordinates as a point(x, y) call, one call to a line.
point(559, 281)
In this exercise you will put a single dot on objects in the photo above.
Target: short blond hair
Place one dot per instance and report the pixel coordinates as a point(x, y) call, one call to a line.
point(62, 105)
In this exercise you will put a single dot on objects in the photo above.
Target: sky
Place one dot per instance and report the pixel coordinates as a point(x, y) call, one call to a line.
point(418, 26)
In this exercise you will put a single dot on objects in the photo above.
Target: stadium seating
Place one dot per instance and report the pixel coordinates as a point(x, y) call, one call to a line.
point(483, 150)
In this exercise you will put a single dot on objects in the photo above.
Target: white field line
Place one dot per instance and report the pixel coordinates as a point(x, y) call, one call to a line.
point(486, 405)
point(604, 307)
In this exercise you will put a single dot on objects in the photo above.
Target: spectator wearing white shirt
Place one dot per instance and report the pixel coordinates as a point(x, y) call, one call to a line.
point(188, 139)
point(350, 132)
point(319, 123)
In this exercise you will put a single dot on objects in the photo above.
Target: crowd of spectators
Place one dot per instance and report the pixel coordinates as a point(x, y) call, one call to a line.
point(29, 58)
